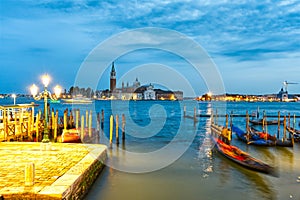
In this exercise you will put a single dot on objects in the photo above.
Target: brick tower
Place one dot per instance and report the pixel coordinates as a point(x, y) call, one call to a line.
point(112, 78)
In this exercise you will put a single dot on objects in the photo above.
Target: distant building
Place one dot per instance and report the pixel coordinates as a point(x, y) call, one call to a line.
point(112, 78)
point(284, 96)
point(149, 93)
point(136, 91)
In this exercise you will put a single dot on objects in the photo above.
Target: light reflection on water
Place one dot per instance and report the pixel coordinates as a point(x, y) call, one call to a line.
point(202, 173)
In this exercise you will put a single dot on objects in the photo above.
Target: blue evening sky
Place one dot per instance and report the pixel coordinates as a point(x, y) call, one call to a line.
point(254, 44)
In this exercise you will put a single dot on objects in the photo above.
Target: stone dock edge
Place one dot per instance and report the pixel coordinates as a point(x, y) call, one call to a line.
point(75, 183)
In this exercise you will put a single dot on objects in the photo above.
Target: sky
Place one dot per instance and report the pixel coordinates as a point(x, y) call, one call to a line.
point(253, 44)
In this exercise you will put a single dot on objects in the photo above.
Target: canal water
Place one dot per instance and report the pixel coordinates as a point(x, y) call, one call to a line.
point(167, 156)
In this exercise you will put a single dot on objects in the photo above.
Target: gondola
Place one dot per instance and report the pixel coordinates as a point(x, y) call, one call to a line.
point(251, 139)
point(236, 155)
point(266, 122)
point(69, 136)
point(295, 132)
point(278, 142)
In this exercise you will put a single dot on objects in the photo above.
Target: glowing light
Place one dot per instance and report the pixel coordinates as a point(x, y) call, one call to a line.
point(14, 97)
point(46, 80)
point(57, 91)
point(34, 90)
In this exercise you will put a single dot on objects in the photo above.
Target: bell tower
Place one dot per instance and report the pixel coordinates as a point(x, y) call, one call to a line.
point(112, 78)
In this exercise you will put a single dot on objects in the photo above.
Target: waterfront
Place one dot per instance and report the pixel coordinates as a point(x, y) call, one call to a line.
point(197, 174)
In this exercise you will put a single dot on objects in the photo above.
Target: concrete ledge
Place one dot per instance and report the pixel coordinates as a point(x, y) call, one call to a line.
point(73, 184)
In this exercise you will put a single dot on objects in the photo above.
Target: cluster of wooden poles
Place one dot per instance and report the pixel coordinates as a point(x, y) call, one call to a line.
point(83, 123)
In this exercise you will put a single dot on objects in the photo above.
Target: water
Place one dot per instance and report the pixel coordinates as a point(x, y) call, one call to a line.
point(189, 169)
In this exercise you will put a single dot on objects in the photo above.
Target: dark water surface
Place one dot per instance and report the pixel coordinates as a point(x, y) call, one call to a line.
point(189, 169)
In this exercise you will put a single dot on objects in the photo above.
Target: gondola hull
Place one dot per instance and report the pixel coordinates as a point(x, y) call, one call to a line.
point(260, 122)
point(238, 156)
point(253, 139)
point(242, 158)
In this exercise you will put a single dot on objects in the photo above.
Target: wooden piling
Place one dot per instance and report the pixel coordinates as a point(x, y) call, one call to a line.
point(263, 121)
point(71, 120)
point(65, 119)
point(98, 122)
point(90, 125)
point(278, 128)
point(195, 114)
point(82, 128)
point(294, 122)
point(102, 119)
point(117, 129)
point(32, 120)
point(15, 122)
point(111, 129)
point(247, 126)
point(216, 117)
point(123, 126)
point(55, 125)
point(226, 122)
point(284, 128)
point(86, 118)
point(77, 119)
point(52, 119)
point(29, 124)
point(289, 120)
point(37, 122)
point(184, 111)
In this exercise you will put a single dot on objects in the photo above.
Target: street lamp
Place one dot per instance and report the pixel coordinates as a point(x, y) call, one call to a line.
point(45, 94)
point(14, 97)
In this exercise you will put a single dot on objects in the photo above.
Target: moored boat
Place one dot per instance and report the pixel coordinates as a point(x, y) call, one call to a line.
point(262, 122)
point(278, 142)
point(69, 136)
point(236, 155)
point(294, 132)
point(250, 138)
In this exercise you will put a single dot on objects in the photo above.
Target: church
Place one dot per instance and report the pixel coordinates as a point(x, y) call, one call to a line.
point(138, 92)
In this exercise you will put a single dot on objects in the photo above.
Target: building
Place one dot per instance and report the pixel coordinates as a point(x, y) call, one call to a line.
point(136, 91)
point(112, 78)
point(149, 93)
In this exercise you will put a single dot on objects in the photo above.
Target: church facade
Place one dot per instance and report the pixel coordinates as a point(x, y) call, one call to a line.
point(138, 92)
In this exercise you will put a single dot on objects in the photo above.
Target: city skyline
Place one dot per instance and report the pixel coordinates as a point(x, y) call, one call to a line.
point(254, 46)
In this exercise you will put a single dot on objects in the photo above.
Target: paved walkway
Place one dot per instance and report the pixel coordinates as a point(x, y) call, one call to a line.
point(51, 163)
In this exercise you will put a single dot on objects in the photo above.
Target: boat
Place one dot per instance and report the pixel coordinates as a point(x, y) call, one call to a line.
point(236, 155)
point(69, 136)
point(78, 101)
point(279, 142)
point(294, 132)
point(249, 138)
point(261, 122)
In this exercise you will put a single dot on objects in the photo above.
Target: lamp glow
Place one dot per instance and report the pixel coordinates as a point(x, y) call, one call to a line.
point(46, 80)
point(57, 91)
point(14, 96)
point(34, 90)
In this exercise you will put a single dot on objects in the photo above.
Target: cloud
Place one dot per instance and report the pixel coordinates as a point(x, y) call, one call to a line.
point(65, 31)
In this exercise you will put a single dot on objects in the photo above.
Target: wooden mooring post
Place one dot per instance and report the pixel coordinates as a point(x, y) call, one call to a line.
point(123, 126)
point(82, 129)
point(90, 125)
point(102, 119)
point(55, 125)
point(117, 129)
point(111, 123)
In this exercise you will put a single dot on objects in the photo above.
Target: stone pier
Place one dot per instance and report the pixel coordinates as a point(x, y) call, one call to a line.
point(49, 171)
